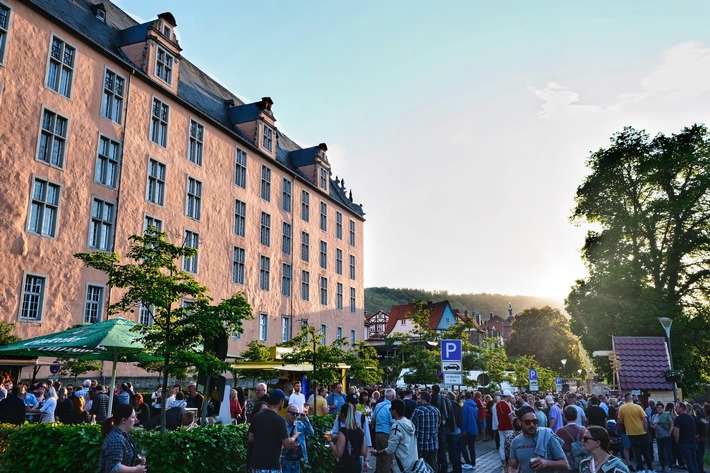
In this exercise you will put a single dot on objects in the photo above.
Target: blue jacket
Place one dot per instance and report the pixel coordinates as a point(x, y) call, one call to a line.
point(470, 417)
point(304, 426)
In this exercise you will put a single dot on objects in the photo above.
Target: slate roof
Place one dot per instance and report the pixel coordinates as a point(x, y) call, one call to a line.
point(643, 361)
point(399, 312)
point(196, 90)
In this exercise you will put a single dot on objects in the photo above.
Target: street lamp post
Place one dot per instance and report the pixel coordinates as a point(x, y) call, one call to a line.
point(564, 364)
point(666, 324)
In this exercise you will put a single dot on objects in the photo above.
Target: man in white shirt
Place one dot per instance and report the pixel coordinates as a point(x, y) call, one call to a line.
point(297, 397)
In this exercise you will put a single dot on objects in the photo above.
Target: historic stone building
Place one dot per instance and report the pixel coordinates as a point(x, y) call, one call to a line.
point(106, 129)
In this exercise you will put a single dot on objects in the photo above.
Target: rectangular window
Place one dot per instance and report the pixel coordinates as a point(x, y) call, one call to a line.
point(323, 178)
point(61, 67)
point(197, 136)
point(286, 195)
point(4, 28)
point(338, 225)
point(324, 216)
point(33, 298)
point(266, 183)
point(112, 99)
point(305, 285)
point(145, 315)
point(323, 254)
point(352, 299)
point(240, 168)
point(149, 221)
point(305, 205)
point(240, 217)
point(156, 182)
point(323, 331)
point(267, 138)
point(44, 208)
point(107, 161)
point(352, 338)
point(265, 234)
point(264, 272)
point(238, 259)
point(53, 139)
point(352, 267)
point(340, 333)
point(93, 304)
point(352, 232)
point(324, 291)
point(164, 65)
point(193, 202)
point(285, 328)
point(192, 240)
point(159, 123)
point(339, 261)
point(286, 280)
point(305, 246)
point(263, 327)
point(286, 243)
point(339, 296)
point(101, 226)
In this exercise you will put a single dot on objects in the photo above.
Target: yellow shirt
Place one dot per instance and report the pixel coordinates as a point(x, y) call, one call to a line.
point(321, 406)
point(632, 415)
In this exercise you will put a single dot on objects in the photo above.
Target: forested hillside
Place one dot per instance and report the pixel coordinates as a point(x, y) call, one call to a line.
point(383, 298)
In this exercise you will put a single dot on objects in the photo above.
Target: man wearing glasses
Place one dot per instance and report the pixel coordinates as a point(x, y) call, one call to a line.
point(296, 423)
point(537, 450)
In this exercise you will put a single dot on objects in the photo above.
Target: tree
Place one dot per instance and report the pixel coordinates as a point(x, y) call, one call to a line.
point(154, 281)
point(74, 367)
point(495, 361)
point(415, 353)
point(544, 334)
point(364, 365)
point(649, 200)
point(256, 351)
point(309, 348)
point(521, 377)
point(6, 335)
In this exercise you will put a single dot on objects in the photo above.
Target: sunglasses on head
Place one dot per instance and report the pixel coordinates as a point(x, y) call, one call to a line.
point(531, 421)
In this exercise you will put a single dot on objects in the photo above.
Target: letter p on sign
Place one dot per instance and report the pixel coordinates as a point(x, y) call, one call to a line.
point(451, 350)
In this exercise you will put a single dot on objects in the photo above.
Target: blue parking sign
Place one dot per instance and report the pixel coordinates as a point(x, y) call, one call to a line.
point(451, 350)
point(533, 375)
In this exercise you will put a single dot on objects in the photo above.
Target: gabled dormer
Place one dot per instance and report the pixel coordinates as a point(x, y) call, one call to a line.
point(256, 122)
point(99, 11)
point(313, 162)
point(154, 48)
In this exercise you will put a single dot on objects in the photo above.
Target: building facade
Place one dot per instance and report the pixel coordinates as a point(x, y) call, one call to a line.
point(105, 130)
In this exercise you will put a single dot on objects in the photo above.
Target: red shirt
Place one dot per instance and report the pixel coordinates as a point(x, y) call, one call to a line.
point(503, 411)
point(481, 408)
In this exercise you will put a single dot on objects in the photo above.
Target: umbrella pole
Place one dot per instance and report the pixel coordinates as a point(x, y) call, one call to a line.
point(113, 383)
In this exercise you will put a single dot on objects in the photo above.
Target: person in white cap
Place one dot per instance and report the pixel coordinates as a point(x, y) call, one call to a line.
point(504, 414)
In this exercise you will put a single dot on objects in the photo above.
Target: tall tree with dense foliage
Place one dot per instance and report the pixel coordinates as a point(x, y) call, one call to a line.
point(648, 200)
point(544, 334)
point(179, 332)
point(6, 335)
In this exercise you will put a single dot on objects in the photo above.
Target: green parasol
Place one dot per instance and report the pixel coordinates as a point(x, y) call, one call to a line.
point(109, 340)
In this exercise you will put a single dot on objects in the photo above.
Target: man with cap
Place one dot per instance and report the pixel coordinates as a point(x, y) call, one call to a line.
point(554, 413)
point(504, 414)
point(269, 435)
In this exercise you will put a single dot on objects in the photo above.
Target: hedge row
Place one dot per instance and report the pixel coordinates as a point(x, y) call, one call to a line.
point(76, 448)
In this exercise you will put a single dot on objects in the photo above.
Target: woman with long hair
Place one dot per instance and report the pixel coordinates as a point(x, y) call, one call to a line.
point(596, 443)
point(349, 443)
point(63, 405)
point(50, 404)
point(142, 410)
point(77, 414)
point(118, 453)
point(235, 408)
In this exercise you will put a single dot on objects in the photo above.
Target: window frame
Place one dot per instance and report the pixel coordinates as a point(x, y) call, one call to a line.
point(323, 216)
point(191, 264)
point(265, 229)
point(158, 184)
point(353, 300)
point(351, 229)
point(240, 218)
point(195, 142)
point(286, 328)
point(286, 279)
point(52, 139)
point(159, 124)
point(323, 254)
point(238, 265)
point(305, 285)
point(286, 195)
point(339, 261)
point(305, 206)
point(62, 66)
point(338, 225)
point(265, 189)
point(267, 137)
point(55, 219)
point(150, 220)
point(263, 326)
point(193, 198)
point(305, 247)
point(41, 298)
point(240, 168)
point(167, 65)
point(287, 238)
point(109, 97)
point(353, 273)
point(323, 287)
point(98, 305)
point(5, 31)
point(107, 161)
point(339, 296)
point(101, 223)
point(264, 273)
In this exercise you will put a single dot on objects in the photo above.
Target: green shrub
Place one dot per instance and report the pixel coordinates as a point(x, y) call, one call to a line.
point(76, 448)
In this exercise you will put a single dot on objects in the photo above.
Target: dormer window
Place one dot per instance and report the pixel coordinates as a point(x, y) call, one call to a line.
point(166, 31)
point(101, 15)
point(267, 138)
point(164, 65)
point(323, 178)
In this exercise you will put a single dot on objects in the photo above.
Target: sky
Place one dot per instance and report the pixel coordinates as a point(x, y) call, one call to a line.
point(463, 127)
